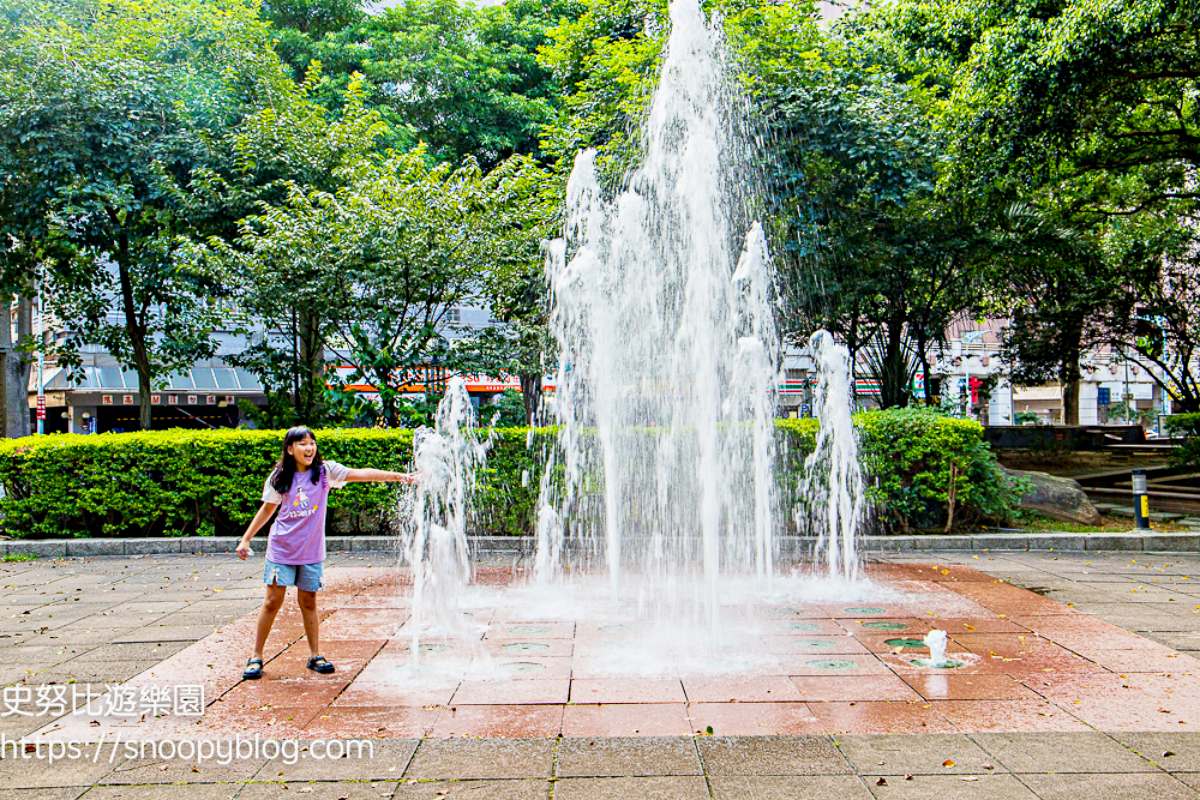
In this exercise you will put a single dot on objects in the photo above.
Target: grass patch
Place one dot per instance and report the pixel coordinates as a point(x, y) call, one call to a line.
point(15, 557)
point(1037, 523)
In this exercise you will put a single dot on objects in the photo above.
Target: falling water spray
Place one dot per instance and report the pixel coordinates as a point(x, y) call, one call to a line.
point(663, 312)
point(832, 491)
point(434, 543)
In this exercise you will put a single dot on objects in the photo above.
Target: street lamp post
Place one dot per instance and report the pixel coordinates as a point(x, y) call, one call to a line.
point(41, 364)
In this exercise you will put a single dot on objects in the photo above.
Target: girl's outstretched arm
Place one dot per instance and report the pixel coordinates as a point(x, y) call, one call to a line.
point(379, 476)
point(264, 513)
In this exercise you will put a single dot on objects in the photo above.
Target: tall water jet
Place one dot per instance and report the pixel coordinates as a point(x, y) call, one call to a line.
point(665, 393)
point(832, 492)
point(434, 541)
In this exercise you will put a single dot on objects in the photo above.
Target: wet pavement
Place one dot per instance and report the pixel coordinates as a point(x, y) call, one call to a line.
point(1079, 674)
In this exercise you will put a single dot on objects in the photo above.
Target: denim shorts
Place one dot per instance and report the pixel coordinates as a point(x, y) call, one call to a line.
point(306, 577)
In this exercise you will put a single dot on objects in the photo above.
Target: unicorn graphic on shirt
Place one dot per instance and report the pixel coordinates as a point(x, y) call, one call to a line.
point(302, 505)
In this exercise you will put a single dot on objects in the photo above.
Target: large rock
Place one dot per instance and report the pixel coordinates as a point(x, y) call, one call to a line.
point(1058, 498)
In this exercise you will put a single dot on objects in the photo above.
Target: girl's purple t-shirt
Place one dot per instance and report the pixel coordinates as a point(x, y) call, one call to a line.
point(298, 533)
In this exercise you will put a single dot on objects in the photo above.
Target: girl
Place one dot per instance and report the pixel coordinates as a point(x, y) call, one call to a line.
point(299, 487)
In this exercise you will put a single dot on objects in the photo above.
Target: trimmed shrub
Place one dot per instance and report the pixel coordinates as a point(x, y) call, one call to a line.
point(915, 456)
point(206, 483)
point(1186, 427)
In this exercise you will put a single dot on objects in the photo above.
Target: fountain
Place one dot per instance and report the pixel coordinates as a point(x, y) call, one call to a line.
point(937, 642)
point(660, 514)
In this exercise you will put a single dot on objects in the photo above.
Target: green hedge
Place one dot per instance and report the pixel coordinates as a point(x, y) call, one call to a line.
point(1186, 427)
point(909, 453)
point(186, 483)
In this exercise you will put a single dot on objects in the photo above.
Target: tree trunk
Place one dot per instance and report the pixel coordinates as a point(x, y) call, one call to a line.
point(387, 403)
point(295, 363)
point(135, 329)
point(14, 368)
point(531, 393)
point(312, 367)
point(1069, 375)
point(893, 392)
point(1070, 395)
point(24, 364)
point(923, 355)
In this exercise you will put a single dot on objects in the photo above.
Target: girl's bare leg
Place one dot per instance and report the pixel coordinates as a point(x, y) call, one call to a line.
point(266, 617)
point(312, 623)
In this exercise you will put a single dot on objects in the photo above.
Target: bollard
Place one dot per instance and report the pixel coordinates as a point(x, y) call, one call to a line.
point(1141, 500)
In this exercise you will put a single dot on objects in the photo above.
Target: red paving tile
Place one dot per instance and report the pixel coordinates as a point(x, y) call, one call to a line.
point(361, 693)
point(753, 719)
point(626, 690)
point(276, 721)
point(529, 646)
point(547, 690)
point(1030, 664)
point(1007, 716)
point(948, 686)
point(1010, 645)
point(812, 645)
point(522, 631)
point(759, 689)
point(500, 722)
point(532, 667)
point(348, 656)
point(375, 722)
point(286, 692)
point(659, 719)
point(1130, 702)
point(879, 717)
point(978, 624)
point(1157, 660)
point(845, 665)
point(828, 688)
point(790, 625)
point(897, 626)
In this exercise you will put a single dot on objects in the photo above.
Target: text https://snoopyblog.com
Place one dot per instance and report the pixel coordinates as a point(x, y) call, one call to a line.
point(222, 751)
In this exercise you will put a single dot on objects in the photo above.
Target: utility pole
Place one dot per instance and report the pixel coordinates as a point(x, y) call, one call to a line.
point(41, 364)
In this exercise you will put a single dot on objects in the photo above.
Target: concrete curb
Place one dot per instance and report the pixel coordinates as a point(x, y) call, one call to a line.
point(521, 546)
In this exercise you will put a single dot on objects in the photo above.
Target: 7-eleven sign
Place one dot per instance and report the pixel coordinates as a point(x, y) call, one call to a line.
point(41, 406)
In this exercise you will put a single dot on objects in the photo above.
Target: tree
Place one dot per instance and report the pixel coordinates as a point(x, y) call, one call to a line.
point(376, 264)
point(462, 79)
point(275, 170)
point(606, 62)
point(870, 250)
point(104, 132)
point(314, 18)
point(1054, 281)
point(525, 200)
point(1082, 115)
point(1157, 322)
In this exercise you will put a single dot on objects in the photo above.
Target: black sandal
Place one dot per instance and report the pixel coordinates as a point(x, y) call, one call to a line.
point(320, 664)
point(253, 670)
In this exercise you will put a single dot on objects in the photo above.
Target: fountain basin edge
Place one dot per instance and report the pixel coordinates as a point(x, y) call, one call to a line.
point(521, 546)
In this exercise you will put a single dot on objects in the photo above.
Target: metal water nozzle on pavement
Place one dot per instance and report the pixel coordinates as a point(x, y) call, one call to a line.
point(1141, 500)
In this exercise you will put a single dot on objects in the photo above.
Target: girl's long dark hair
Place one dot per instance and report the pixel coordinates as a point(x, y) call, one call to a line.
point(285, 467)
